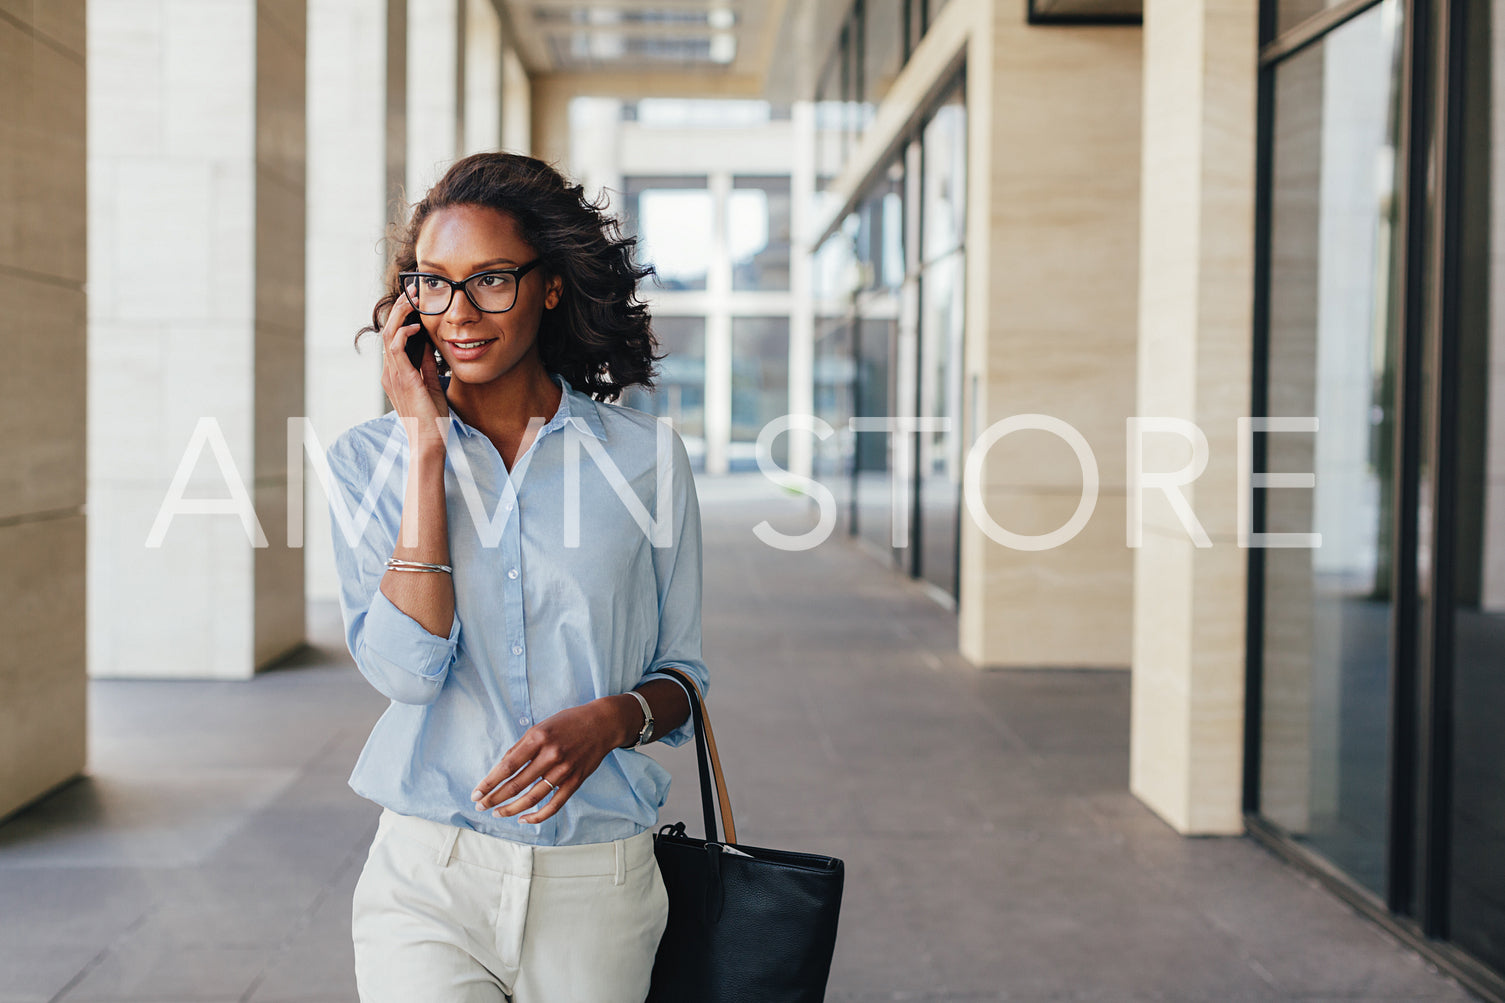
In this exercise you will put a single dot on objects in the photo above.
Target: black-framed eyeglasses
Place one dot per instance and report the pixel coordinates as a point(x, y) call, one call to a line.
point(491, 291)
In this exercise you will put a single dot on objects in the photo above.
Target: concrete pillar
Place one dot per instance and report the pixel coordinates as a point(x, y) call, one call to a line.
point(43, 255)
point(517, 103)
point(435, 92)
point(196, 219)
point(1052, 233)
point(483, 77)
point(718, 332)
point(347, 214)
point(1195, 323)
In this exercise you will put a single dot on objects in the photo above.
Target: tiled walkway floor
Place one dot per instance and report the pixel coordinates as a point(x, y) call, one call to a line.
point(992, 850)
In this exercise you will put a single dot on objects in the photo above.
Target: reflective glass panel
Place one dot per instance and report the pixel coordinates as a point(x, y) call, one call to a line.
point(1476, 868)
point(671, 217)
point(760, 387)
point(680, 393)
point(944, 185)
point(757, 232)
point(1332, 356)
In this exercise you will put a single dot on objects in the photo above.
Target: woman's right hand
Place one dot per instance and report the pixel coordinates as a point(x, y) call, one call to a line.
point(417, 395)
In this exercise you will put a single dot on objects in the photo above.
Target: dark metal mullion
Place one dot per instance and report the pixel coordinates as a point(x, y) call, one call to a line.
point(1436, 669)
point(962, 402)
point(1311, 30)
point(1033, 15)
point(859, 45)
point(916, 513)
point(855, 330)
point(1478, 977)
point(1259, 405)
point(1411, 140)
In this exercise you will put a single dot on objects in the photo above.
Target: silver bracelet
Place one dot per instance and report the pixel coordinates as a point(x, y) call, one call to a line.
point(398, 565)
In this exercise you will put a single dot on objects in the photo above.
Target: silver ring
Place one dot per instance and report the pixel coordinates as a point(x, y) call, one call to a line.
point(552, 785)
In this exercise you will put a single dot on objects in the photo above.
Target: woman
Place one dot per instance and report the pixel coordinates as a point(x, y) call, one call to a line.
point(518, 559)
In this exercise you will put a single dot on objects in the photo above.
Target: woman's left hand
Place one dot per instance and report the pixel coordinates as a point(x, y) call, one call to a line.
point(563, 750)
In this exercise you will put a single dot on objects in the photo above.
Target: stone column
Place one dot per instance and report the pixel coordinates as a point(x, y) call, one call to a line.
point(348, 64)
point(43, 255)
point(483, 77)
point(517, 104)
point(1052, 233)
point(435, 92)
point(196, 218)
point(1195, 351)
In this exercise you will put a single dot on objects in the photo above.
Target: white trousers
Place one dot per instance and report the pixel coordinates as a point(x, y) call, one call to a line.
point(453, 915)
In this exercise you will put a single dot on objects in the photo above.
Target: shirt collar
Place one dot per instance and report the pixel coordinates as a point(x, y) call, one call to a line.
point(574, 407)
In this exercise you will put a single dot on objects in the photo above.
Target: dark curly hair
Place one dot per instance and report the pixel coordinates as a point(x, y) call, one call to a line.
point(599, 337)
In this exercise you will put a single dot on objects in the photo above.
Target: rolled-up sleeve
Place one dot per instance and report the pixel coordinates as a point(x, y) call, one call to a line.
point(397, 654)
point(678, 570)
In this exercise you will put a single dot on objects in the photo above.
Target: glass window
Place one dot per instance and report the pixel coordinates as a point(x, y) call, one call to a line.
point(944, 185)
point(671, 217)
point(939, 460)
point(835, 382)
point(1290, 13)
point(1476, 879)
point(760, 387)
point(1333, 342)
point(848, 64)
point(836, 270)
point(880, 232)
point(877, 333)
point(758, 232)
point(699, 113)
point(916, 25)
point(828, 123)
point(680, 390)
point(883, 45)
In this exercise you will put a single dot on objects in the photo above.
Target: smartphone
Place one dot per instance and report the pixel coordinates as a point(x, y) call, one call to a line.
point(419, 343)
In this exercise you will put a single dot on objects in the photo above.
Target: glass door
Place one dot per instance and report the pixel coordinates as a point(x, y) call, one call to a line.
point(1332, 343)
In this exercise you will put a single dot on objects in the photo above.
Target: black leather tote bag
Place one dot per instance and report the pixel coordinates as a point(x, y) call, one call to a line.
point(746, 924)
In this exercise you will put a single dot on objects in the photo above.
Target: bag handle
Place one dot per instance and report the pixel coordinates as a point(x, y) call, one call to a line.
point(708, 762)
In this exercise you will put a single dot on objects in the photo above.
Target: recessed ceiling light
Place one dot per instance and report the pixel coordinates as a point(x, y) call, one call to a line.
point(721, 18)
point(723, 47)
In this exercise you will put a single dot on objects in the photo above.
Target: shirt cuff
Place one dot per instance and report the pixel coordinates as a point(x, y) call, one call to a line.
point(404, 641)
point(686, 731)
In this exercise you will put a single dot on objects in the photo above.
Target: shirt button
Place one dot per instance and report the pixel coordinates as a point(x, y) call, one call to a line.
point(517, 649)
point(507, 506)
point(512, 573)
point(524, 721)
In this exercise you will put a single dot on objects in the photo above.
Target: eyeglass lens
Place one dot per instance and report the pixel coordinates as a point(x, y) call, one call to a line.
point(493, 292)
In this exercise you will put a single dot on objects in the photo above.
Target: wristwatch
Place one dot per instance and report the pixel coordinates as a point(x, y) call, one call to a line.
point(646, 735)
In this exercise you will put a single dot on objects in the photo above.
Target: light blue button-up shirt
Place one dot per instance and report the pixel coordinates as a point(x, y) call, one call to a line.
point(576, 577)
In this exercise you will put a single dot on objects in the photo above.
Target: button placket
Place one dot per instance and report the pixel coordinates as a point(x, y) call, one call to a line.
point(512, 591)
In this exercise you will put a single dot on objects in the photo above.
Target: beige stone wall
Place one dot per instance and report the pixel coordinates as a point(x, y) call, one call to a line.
point(196, 196)
point(348, 64)
point(1052, 238)
point(1195, 321)
point(43, 257)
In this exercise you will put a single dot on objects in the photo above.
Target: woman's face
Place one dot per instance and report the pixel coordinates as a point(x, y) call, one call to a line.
point(458, 241)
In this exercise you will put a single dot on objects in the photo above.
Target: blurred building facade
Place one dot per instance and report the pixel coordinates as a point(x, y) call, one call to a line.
point(1040, 269)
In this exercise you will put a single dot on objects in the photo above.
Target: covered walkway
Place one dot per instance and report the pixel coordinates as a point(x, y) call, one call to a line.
point(993, 850)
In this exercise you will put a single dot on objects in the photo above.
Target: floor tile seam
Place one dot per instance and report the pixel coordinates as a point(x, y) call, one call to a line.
point(1183, 899)
point(104, 952)
point(305, 919)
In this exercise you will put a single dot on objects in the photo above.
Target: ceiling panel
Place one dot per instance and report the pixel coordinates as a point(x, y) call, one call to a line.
point(694, 36)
